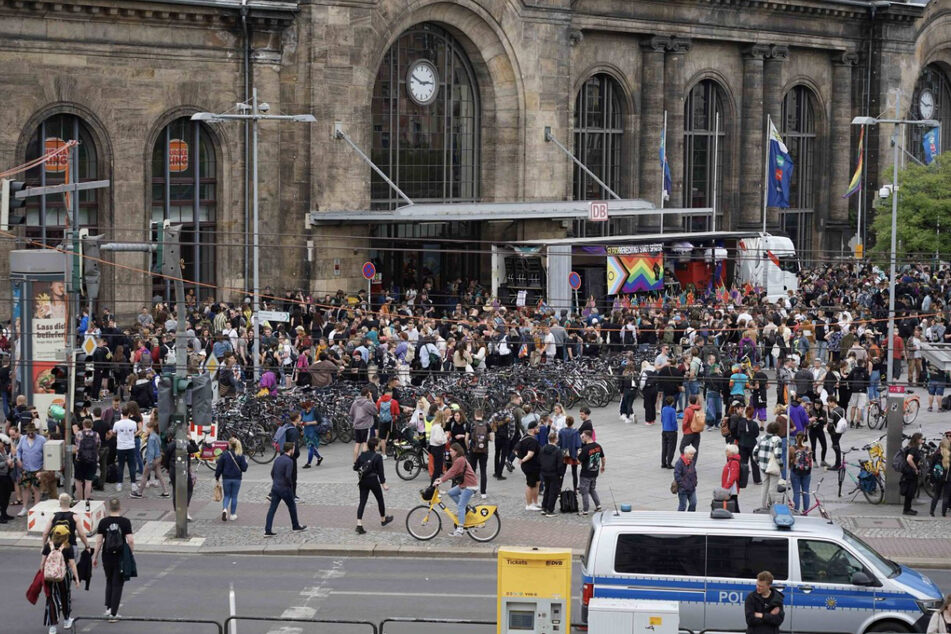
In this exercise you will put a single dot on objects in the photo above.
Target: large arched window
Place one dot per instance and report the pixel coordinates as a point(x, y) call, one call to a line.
point(704, 103)
point(932, 100)
point(425, 136)
point(184, 190)
point(46, 216)
point(799, 133)
point(599, 133)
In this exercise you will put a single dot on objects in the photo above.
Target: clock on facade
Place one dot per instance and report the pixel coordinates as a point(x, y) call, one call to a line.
point(422, 82)
point(926, 104)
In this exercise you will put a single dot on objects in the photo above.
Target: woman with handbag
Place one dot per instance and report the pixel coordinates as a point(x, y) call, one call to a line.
point(228, 473)
point(371, 479)
point(769, 455)
point(730, 476)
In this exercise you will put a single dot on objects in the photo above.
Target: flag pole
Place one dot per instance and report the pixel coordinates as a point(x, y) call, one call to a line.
point(713, 198)
point(662, 173)
point(858, 229)
point(769, 129)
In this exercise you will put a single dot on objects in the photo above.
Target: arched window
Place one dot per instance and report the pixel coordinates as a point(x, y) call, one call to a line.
point(425, 117)
point(704, 102)
point(932, 100)
point(799, 133)
point(425, 121)
point(46, 216)
point(599, 132)
point(184, 179)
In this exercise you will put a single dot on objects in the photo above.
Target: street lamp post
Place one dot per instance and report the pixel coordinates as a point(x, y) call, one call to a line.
point(894, 441)
point(257, 112)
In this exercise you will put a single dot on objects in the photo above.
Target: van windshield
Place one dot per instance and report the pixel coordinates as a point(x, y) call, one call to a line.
point(884, 566)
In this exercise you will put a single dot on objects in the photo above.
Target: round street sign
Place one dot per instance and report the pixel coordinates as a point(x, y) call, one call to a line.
point(574, 281)
point(369, 270)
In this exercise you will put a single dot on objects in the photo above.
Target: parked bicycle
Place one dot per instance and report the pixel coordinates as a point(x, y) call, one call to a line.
point(876, 410)
point(867, 482)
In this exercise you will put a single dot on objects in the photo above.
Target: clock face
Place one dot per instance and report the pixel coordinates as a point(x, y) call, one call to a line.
point(422, 82)
point(926, 104)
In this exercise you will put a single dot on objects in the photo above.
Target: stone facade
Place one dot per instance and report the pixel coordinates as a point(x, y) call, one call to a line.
point(127, 68)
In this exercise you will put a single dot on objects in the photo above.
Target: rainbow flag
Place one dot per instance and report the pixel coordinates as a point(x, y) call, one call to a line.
point(856, 183)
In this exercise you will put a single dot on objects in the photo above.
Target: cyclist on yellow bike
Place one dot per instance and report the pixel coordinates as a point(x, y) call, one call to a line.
point(468, 485)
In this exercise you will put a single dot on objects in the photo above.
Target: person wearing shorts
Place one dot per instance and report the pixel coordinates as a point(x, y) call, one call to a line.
point(30, 462)
point(527, 451)
point(936, 383)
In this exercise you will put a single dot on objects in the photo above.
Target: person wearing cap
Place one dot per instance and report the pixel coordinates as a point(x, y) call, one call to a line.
point(58, 599)
point(527, 451)
point(798, 414)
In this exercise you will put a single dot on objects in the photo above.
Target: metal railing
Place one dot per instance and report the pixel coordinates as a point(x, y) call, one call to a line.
point(149, 619)
point(281, 619)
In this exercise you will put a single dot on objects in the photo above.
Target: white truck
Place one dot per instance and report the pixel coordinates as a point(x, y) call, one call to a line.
point(768, 262)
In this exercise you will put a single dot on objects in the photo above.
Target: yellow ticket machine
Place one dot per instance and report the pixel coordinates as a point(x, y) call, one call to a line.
point(534, 592)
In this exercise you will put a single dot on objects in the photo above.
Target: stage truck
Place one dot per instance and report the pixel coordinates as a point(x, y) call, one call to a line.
point(524, 272)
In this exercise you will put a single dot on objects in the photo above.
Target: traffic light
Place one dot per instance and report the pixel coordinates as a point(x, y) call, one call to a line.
point(91, 269)
point(9, 203)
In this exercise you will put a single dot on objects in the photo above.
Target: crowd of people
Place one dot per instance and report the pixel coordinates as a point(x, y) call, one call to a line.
point(701, 361)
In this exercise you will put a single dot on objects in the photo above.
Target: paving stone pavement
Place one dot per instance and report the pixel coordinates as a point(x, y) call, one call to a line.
point(632, 476)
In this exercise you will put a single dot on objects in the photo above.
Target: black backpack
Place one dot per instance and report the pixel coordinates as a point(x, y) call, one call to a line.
point(114, 540)
point(568, 501)
point(480, 437)
point(88, 453)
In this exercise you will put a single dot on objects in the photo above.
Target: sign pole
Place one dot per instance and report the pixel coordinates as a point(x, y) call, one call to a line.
point(895, 427)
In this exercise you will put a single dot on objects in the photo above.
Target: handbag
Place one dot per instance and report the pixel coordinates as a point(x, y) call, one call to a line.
point(219, 493)
point(772, 467)
point(674, 488)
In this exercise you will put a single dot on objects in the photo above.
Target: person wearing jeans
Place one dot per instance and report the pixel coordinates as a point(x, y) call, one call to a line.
point(229, 469)
point(462, 492)
point(282, 489)
point(769, 445)
point(125, 430)
point(685, 475)
point(800, 472)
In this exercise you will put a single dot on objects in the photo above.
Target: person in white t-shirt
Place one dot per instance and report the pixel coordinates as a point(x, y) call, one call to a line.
point(125, 429)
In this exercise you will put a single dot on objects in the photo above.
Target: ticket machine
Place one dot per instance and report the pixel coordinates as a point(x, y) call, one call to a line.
point(534, 591)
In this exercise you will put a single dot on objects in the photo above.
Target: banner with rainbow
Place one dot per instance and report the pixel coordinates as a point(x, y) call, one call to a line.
point(635, 269)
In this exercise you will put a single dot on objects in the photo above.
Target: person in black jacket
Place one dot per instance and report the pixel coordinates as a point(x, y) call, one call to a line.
point(369, 467)
point(764, 607)
point(282, 488)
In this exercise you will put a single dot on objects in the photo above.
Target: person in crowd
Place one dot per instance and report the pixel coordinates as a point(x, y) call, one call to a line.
point(940, 620)
point(592, 461)
point(169, 464)
point(437, 444)
point(460, 493)
point(552, 465)
point(125, 431)
point(282, 490)
point(229, 469)
point(649, 392)
point(113, 534)
point(769, 455)
point(569, 441)
point(691, 428)
point(59, 571)
point(730, 477)
point(29, 455)
point(911, 468)
point(800, 472)
point(363, 414)
point(308, 417)
point(764, 607)
point(527, 451)
point(372, 479)
point(685, 475)
point(668, 433)
point(87, 459)
point(478, 436)
point(7, 465)
point(745, 432)
point(66, 518)
point(940, 475)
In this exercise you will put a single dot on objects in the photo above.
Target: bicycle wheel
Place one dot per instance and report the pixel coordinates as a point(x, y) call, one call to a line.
point(488, 531)
point(423, 523)
point(841, 478)
point(911, 411)
point(263, 450)
point(408, 465)
point(872, 415)
point(876, 496)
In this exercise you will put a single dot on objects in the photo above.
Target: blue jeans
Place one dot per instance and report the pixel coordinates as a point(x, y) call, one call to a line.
point(686, 497)
point(230, 487)
point(693, 387)
point(874, 385)
point(139, 465)
point(714, 408)
point(822, 348)
point(312, 453)
point(800, 484)
point(460, 496)
point(276, 497)
point(126, 457)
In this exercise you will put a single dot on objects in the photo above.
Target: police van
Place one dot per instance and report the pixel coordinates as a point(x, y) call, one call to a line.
point(831, 580)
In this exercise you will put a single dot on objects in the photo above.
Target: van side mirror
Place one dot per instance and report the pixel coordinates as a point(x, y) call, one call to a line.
point(861, 579)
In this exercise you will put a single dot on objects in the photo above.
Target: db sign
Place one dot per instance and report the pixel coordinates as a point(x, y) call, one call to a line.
point(597, 211)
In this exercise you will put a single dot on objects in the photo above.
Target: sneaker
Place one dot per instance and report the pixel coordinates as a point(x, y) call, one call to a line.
point(387, 520)
point(53, 629)
point(119, 487)
point(361, 530)
point(583, 513)
point(22, 512)
point(484, 496)
point(224, 515)
point(189, 517)
point(306, 466)
point(164, 494)
point(319, 460)
point(302, 527)
point(533, 507)
point(234, 517)
point(459, 532)
point(115, 618)
point(597, 509)
point(510, 467)
point(135, 494)
point(108, 612)
point(529, 507)
point(268, 498)
point(649, 423)
point(269, 534)
point(383, 456)
point(910, 512)
point(68, 623)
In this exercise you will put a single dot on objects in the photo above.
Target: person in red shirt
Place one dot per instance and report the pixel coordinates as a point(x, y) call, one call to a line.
point(898, 353)
point(690, 437)
point(386, 404)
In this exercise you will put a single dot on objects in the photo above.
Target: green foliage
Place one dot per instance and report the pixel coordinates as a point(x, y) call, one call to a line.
point(924, 202)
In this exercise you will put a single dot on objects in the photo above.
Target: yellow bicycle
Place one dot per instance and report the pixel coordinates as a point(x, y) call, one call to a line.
point(423, 522)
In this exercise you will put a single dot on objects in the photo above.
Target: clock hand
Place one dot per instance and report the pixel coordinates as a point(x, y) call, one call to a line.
point(421, 81)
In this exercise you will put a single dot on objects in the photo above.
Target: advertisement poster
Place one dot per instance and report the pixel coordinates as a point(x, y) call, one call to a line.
point(634, 269)
point(48, 343)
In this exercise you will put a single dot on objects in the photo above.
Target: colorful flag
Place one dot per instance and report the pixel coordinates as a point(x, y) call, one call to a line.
point(663, 163)
point(772, 257)
point(856, 183)
point(779, 173)
point(932, 146)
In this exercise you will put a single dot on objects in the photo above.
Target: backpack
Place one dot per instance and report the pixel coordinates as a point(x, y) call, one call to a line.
point(114, 540)
point(54, 569)
point(568, 501)
point(936, 472)
point(480, 437)
point(88, 453)
point(434, 359)
point(699, 421)
point(386, 413)
point(725, 427)
point(802, 461)
point(364, 469)
point(899, 461)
